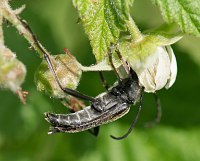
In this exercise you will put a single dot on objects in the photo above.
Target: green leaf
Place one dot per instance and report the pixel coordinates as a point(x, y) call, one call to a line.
point(103, 20)
point(186, 13)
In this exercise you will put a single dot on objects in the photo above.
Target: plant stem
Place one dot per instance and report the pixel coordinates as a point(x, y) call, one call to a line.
point(10, 15)
point(135, 32)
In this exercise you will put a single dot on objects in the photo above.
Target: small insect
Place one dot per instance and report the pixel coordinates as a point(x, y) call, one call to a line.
point(106, 107)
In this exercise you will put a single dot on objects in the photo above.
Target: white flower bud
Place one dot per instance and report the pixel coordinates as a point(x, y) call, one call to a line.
point(162, 72)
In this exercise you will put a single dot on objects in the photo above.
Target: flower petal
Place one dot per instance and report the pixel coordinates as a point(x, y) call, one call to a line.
point(146, 80)
point(163, 69)
point(173, 67)
point(155, 77)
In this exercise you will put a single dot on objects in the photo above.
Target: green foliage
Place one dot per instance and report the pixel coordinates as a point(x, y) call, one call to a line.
point(103, 20)
point(23, 130)
point(185, 13)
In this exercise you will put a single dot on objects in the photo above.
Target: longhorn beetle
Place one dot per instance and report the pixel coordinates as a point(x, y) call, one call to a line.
point(106, 107)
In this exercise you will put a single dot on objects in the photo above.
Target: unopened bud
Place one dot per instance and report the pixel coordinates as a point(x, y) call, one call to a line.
point(12, 71)
point(67, 71)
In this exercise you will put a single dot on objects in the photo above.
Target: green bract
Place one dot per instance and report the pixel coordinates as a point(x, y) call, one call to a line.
point(143, 53)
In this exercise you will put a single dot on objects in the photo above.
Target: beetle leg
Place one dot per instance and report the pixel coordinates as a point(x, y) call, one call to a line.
point(111, 63)
point(95, 132)
point(103, 80)
point(159, 113)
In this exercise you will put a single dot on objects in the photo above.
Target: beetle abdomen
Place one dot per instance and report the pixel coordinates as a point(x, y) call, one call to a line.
point(85, 119)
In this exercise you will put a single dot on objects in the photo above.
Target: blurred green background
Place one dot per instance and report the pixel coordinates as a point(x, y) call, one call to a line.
point(23, 130)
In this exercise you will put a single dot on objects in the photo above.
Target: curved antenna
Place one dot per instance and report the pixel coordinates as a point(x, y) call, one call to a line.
point(48, 60)
point(134, 121)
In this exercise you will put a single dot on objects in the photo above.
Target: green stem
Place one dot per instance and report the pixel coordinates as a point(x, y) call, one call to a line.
point(135, 32)
point(10, 15)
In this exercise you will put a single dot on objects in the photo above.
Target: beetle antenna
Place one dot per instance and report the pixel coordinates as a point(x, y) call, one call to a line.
point(48, 60)
point(136, 117)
